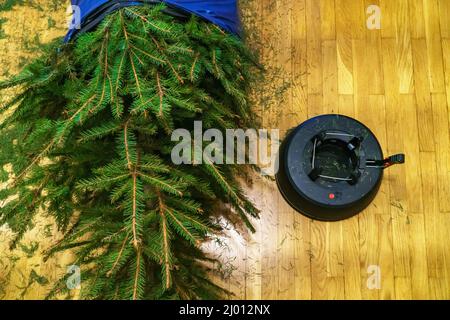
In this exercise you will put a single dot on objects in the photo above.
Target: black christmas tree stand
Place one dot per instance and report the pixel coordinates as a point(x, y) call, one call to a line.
point(331, 167)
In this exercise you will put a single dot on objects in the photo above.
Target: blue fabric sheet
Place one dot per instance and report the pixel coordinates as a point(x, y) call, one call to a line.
point(223, 13)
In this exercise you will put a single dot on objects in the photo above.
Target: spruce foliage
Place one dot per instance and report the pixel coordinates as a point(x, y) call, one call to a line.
point(88, 139)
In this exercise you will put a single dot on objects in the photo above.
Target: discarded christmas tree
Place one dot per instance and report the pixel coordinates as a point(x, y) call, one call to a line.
point(88, 138)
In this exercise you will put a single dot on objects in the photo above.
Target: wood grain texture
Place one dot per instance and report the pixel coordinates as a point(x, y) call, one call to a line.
point(397, 81)
point(23, 28)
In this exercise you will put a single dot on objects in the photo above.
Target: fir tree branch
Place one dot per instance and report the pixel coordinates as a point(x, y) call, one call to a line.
point(195, 222)
point(72, 235)
point(214, 60)
point(104, 52)
point(161, 183)
point(160, 93)
point(109, 273)
point(224, 182)
point(133, 173)
point(147, 21)
point(81, 109)
point(233, 196)
point(165, 235)
point(177, 75)
point(134, 199)
point(188, 233)
point(106, 68)
point(147, 54)
point(131, 34)
point(131, 58)
point(95, 158)
point(127, 149)
point(119, 72)
point(136, 275)
point(31, 165)
point(98, 183)
point(219, 29)
point(100, 102)
point(137, 57)
point(136, 78)
point(194, 64)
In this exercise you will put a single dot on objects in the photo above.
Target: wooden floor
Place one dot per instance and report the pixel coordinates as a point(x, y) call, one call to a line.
point(397, 81)
point(23, 274)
